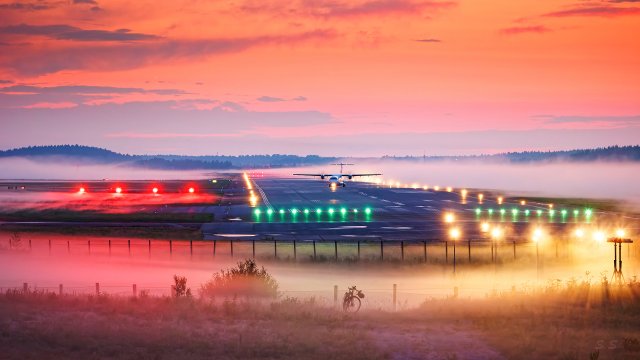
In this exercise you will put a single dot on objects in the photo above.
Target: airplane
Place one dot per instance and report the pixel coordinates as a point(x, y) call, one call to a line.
point(337, 179)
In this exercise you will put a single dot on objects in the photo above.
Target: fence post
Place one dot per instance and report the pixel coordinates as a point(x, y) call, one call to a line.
point(129, 246)
point(89, 245)
point(314, 250)
point(191, 247)
point(514, 250)
point(381, 250)
point(149, 247)
point(358, 249)
point(469, 250)
point(214, 247)
point(60, 290)
point(275, 249)
point(335, 296)
point(30, 245)
point(335, 246)
point(135, 290)
point(231, 247)
point(97, 289)
point(402, 250)
point(395, 297)
point(425, 251)
point(109, 247)
point(171, 247)
point(68, 247)
point(49, 246)
point(446, 252)
point(295, 255)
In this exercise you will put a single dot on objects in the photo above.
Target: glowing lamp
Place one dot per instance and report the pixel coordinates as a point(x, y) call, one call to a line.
point(191, 190)
point(449, 218)
point(155, 190)
point(454, 233)
point(620, 233)
point(81, 190)
point(496, 233)
point(118, 190)
point(579, 233)
point(484, 227)
point(500, 200)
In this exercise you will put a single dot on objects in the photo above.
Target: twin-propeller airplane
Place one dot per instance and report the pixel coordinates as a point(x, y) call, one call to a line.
point(336, 180)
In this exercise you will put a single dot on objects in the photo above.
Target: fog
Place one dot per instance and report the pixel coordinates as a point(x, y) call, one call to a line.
point(606, 180)
point(60, 168)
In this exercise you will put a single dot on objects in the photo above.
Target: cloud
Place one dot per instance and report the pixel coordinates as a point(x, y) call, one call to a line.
point(601, 11)
point(270, 99)
point(613, 120)
point(123, 56)
point(30, 6)
point(137, 135)
point(86, 89)
point(67, 32)
point(515, 30)
point(6, 81)
point(347, 9)
point(93, 2)
point(429, 40)
point(279, 99)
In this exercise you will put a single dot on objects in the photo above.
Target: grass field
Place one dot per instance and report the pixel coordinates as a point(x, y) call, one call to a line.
point(94, 216)
point(570, 321)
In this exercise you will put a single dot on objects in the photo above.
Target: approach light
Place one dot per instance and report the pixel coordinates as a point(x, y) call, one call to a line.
point(355, 211)
point(563, 212)
point(155, 190)
point(526, 212)
point(588, 212)
point(496, 233)
point(269, 211)
point(81, 190)
point(539, 212)
point(500, 200)
point(480, 198)
point(191, 190)
point(552, 213)
point(620, 233)
point(523, 202)
point(599, 236)
point(449, 218)
point(550, 206)
point(537, 235)
point(463, 193)
point(485, 227)
point(579, 233)
point(318, 211)
point(502, 211)
point(294, 211)
point(478, 211)
point(454, 233)
point(514, 212)
point(436, 188)
point(306, 211)
point(490, 211)
point(118, 190)
point(576, 212)
point(449, 189)
point(330, 211)
point(343, 211)
point(281, 211)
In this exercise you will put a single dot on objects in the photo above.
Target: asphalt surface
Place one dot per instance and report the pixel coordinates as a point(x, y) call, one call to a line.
point(401, 214)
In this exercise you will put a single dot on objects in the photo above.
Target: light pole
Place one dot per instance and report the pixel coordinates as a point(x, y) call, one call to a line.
point(454, 233)
point(536, 237)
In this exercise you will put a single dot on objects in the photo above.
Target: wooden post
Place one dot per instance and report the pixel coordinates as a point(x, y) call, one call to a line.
point(469, 250)
point(97, 289)
point(214, 247)
point(149, 247)
point(295, 255)
point(60, 291)
point(68, 247)
point(254, 249)
point(395, 298)
point(514, 250)
point(109, 247)
point(171, 247)
point(381, 250)
point(358, 249)
point(402, 250)
point(335, 246)
point(335, 296)
point(314, 250)
point(89, 245)
point(49, 246)
point(425, 251)
point(275, 249)
point(135, 290)
point(129, 246)
point(231, 247)
point(191, 247)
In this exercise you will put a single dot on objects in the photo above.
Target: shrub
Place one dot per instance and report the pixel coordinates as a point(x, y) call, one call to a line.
point(180, 288)
point(244, 280)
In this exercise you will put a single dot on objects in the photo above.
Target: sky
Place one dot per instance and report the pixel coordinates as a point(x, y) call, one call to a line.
point(327, 77)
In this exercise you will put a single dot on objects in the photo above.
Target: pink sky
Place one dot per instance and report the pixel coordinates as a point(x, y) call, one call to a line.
point(357, 78)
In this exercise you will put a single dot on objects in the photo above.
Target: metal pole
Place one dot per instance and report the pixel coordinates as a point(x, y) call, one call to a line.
point(191, 247)
point(68, 247)
point(89, 245)
point(109, 247)
point(149, 247)
point(171, 247)
point(214, 247)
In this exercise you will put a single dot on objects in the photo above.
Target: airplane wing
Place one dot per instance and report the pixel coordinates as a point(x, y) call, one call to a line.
point(363, 175)
point(310, 175)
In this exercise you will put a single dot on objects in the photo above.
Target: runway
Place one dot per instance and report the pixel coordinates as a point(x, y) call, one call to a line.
point(303, 210)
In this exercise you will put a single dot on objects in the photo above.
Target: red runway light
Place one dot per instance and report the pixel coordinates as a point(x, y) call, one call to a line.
point(81, 190)
point(155, 190)
point(192, 190)
point(118, 190)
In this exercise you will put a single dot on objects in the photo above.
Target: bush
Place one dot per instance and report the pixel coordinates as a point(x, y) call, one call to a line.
point(244, 280)
point(180, 286)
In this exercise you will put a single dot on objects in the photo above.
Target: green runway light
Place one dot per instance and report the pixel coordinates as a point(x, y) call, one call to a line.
point(367, 211)
point(539, 212)
point(306, 211)
point(526, 212)
point(490, 211)
point(281, 211)
point(502, 211)
point(294, 211)
point(576, 212)
point(318, 211)
point(588, 212)
point(355, 211)
point(343, 211)
point(563, 212)
point(330, 211)
point(257, 211)
point(514, 212)
point(552, 212)
point(478, 211)
point(269, 212)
